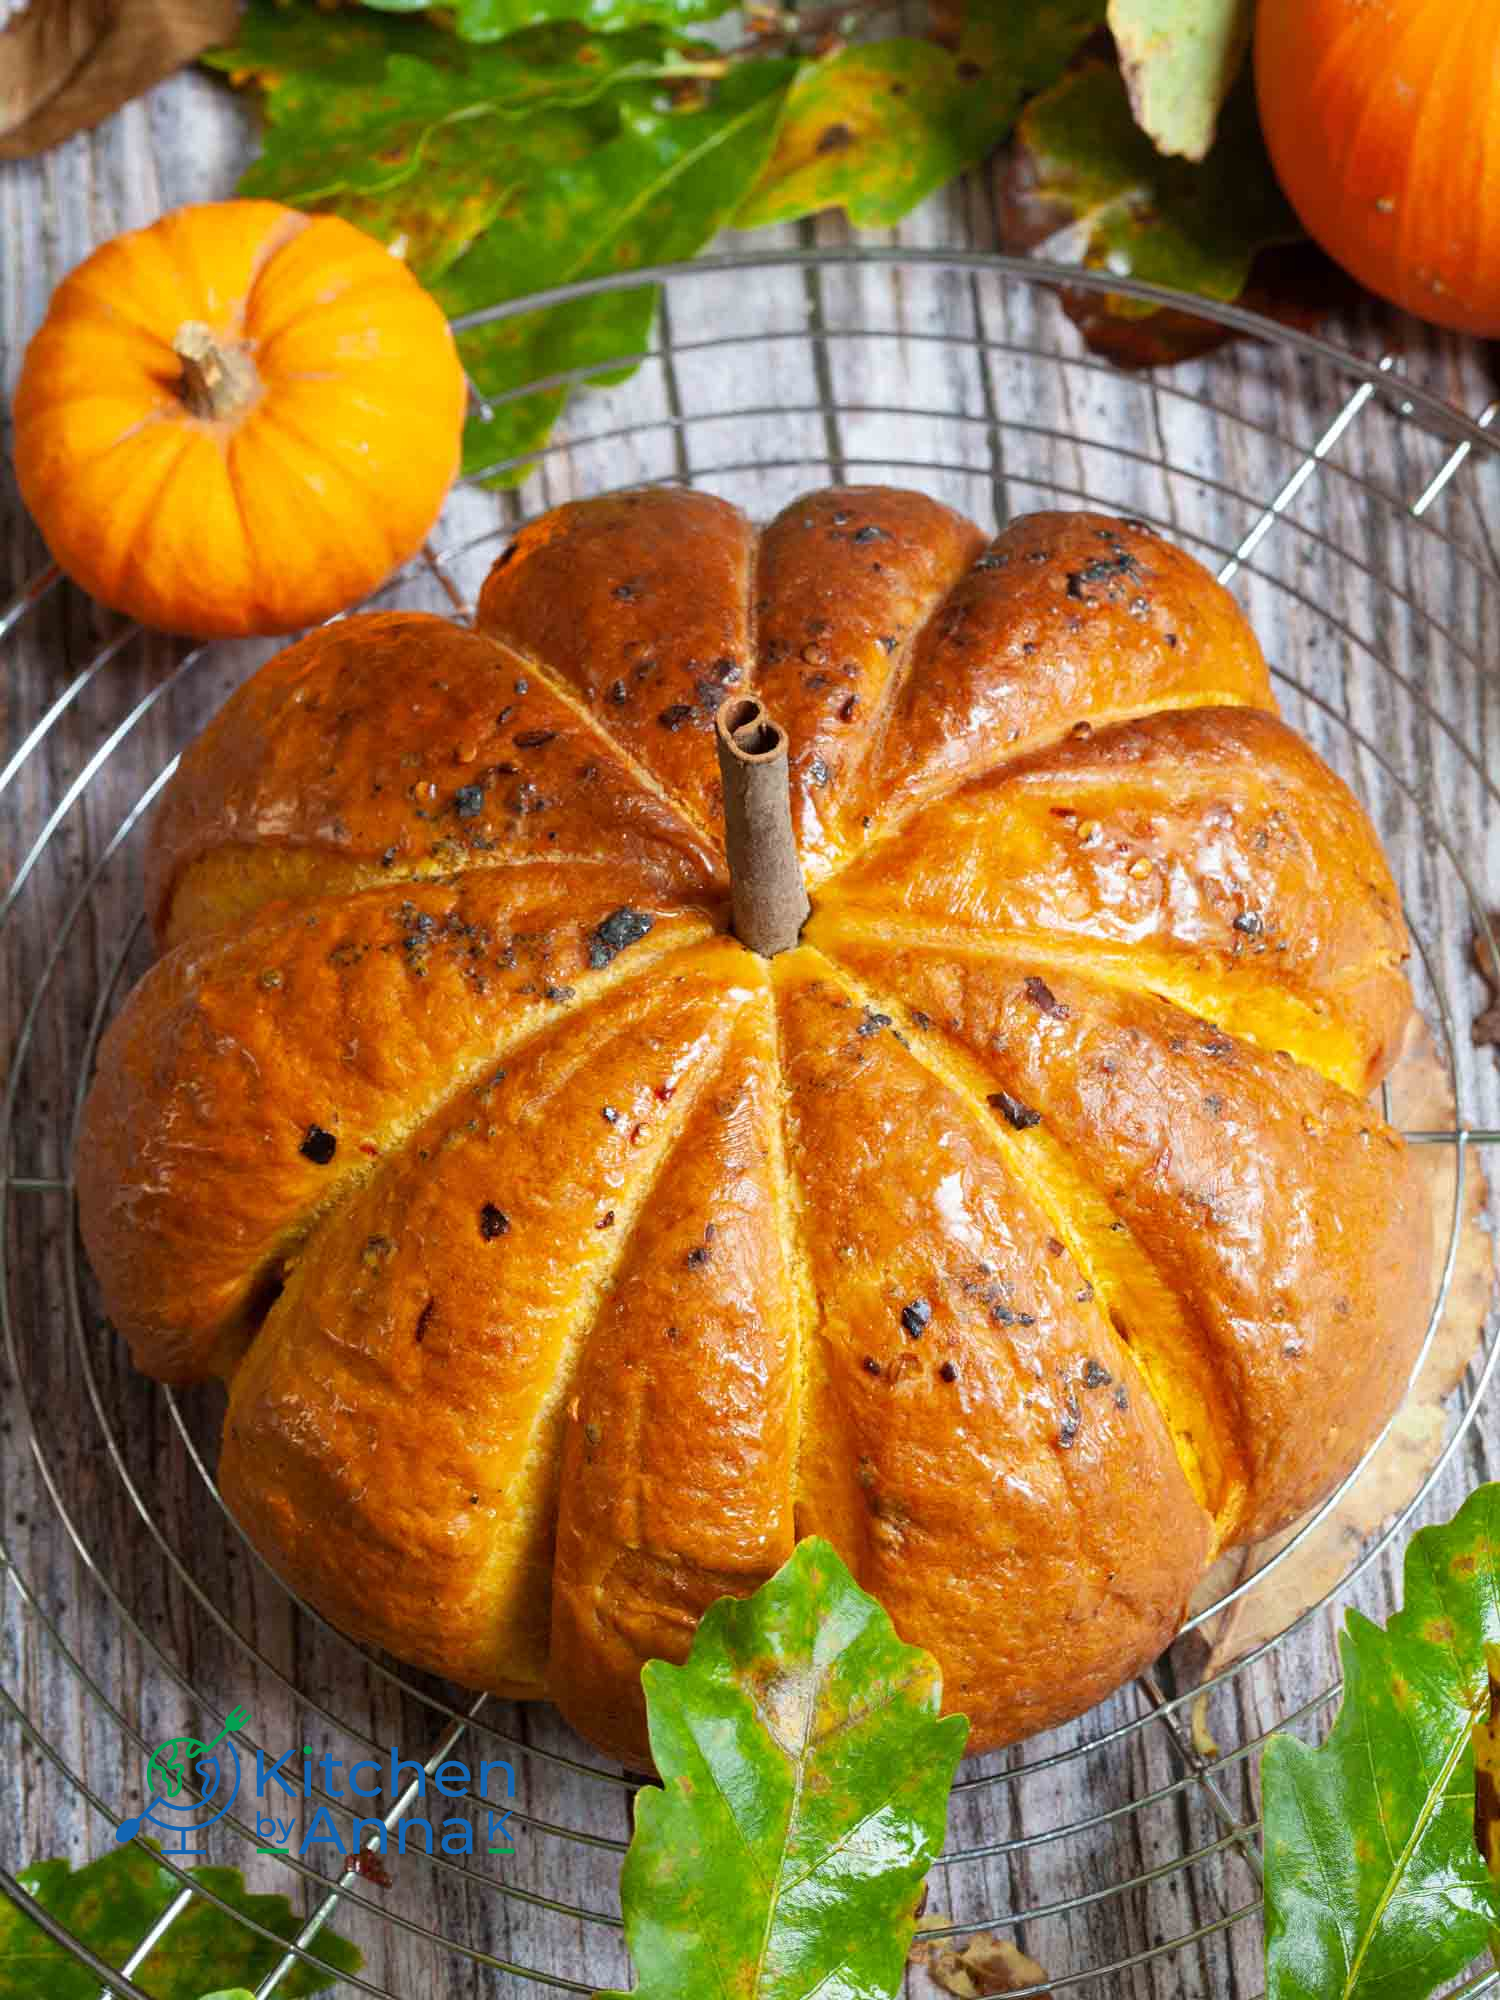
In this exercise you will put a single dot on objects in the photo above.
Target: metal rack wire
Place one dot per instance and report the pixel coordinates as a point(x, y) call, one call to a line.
point(1315, 489)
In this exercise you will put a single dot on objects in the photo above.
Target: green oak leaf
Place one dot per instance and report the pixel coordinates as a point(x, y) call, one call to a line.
point(502, 170)
point(1375, 1886)
point(876, 128)
point(417, 139)
point(493, 20)
point(1180, 59)
point(805, 1774)
point(654, 188)
point(1088, 187)
point(111, 1903)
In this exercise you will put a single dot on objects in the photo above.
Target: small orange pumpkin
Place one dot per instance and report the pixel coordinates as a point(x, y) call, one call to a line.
point(1383, 122)
point(239, 420)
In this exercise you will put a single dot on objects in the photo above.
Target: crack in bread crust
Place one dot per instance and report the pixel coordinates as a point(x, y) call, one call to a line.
point(462, 1282)
point(1298, 1320)
point(213, 1041)
point(1199, 1413)
point(1273, 1019)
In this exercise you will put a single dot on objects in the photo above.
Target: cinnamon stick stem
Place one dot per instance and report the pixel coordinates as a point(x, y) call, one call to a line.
point(765, 878)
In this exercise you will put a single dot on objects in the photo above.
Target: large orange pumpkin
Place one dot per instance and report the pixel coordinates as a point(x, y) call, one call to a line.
point(1025, 1230)
point(1383, 123)
point(239, 420)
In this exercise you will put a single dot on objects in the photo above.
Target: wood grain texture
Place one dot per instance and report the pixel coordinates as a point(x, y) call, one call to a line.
point(132, 1608)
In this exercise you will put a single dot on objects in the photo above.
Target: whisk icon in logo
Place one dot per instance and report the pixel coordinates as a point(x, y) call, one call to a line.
point(191, 1784)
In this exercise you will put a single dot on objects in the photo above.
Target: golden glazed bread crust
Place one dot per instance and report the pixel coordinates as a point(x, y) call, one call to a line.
point(1027, 1230)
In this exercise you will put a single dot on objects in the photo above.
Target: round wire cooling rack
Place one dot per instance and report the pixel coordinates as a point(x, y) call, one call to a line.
point(1341, 502)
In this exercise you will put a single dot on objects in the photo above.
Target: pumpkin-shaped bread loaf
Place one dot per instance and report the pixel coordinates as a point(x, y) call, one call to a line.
point(1026, 1230)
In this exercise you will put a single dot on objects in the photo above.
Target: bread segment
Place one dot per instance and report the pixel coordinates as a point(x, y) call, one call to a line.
point(640, 603)
point(1209, 854)
point(252, 1080)
point(393, 1435)
point(681, 1426)
point(977, 1441)
point(391, 745)
point(1064, 618)
point(1282, 1213)
point(847, 580)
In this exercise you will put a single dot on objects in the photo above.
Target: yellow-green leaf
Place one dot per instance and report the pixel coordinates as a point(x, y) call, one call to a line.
point(493, 21)
point(1180, 59)
point(654, 188)
point(1375, 1888)
point(804, 1784)
point(111, 1904)
point(416, 138)
point(1087, 187)
point(875, 128)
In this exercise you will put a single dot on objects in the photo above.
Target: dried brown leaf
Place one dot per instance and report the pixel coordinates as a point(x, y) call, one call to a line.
point(1294, 284)
point(1080, 184)
point(986, 1965)
point(1421, 1099)
point(1486, 1026)
point(67, 64)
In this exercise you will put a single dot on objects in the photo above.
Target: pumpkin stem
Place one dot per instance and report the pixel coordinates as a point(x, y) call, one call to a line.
point(218, 378)
point(765, 877)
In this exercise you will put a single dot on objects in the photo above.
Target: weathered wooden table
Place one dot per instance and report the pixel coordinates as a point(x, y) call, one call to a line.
point(132, 1611)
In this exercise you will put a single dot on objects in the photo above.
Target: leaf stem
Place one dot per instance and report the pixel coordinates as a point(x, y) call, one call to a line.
point(828, 26)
